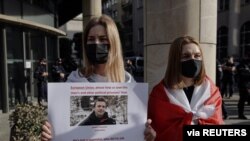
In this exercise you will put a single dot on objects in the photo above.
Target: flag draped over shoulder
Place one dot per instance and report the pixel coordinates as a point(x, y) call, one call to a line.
point(170, 110)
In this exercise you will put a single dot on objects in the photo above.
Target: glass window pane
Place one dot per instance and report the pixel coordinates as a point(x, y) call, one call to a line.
point(14, 43)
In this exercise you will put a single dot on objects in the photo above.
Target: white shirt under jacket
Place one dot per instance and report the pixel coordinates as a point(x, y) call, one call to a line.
point(76, 76)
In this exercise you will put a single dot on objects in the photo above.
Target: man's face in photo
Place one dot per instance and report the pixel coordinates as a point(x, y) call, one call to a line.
point(100, 108)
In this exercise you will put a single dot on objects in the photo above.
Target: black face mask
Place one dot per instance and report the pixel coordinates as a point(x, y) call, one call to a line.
point(191, 68)
point(97, 53)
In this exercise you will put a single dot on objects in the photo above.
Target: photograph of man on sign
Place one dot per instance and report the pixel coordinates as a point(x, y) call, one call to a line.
point(98, 110)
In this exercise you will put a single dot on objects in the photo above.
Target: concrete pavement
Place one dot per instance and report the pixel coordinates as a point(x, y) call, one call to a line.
point(4, 127)
point(231, 105)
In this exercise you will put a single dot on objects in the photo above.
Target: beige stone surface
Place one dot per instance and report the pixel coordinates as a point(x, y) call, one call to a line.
point(157, 57)
point(168, 19)
point(209, 53)
point(5, 127)
point(92, 7)
point(208, 21)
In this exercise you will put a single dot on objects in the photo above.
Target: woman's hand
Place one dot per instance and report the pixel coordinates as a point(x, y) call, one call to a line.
point(46, 131)
point(149, 133)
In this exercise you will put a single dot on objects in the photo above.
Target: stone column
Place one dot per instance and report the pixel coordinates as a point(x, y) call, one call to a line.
point(90, 9)
point(165, 20)
point(233, 30)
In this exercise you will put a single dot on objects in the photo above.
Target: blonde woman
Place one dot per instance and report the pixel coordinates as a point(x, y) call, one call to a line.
point(103, 62)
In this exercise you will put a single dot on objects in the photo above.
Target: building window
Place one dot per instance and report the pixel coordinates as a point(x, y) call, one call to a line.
point(139, 3)
point(45, 4)
point(244, 2)
point(222, 42)
point(113, 2)
point(108, 4)
point(245, 39)
point(14, 43)
point(115, 14)
point(1, 6)
point(140, 35)
point(223, 5)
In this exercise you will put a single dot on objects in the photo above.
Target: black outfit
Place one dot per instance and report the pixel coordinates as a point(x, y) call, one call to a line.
point(189, 92)
point(56, 70)
point(228, 80)
point(41, 83)
point(19, 84)
point(243, 84)
point(93, 120)
point(219, 76)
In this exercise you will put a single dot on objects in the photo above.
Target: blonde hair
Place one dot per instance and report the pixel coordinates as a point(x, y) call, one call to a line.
point(114, 69)
point(172, 77)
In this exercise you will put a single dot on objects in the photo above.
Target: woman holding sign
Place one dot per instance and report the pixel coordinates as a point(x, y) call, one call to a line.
point(103, 60)
point(186, 95)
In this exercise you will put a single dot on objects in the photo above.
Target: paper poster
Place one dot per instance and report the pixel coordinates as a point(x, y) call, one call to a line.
point(97, 111)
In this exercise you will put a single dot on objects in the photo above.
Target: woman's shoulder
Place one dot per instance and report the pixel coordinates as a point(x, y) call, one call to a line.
point(129, 78)
point(76, 76)
point(213, 87)
point(158, 88)
point(207, 78)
